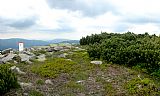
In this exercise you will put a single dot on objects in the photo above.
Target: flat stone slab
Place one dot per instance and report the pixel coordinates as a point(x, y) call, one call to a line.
point(41, 57)
point(8, 57)
point(96, 62)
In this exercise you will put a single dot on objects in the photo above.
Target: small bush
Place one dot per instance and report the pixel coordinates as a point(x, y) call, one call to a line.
point(8, 79)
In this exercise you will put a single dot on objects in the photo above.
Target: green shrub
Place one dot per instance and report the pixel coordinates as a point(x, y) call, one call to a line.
point(53, 68)
point(8, 79)
point(128, 48)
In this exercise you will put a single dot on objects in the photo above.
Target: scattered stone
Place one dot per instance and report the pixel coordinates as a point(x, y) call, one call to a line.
point(48, 82)
point(64, 50)
point(139, 76)
point(29, 62)
point(22, 84)
point(96, 62)
point(109, 80)
point(29, 53)
point(63, 55)
point(1, 61)
point(41, 57)
point(80, 81)
point(81, 94)
point(15, 62)
point(70, 52)
point(25, 94)
point(58, 48)
point(80, 49)
point(1, 56)
point(9, 57)
point(17, 70)
point(24, 57)
point(50, 49)
point(69, 59)
point(7, 51)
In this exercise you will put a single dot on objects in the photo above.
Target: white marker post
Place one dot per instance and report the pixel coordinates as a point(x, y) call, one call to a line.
point(21, 46)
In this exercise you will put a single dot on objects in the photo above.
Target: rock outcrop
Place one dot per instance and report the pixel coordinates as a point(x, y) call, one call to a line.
point(9, 57)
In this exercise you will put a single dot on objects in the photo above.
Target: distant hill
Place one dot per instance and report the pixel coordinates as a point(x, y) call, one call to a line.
point(71, 41)
point(13, 43)
point(57, 40)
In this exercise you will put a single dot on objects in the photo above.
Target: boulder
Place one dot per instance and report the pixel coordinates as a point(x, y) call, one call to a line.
point(69, 59)
point(1, 61)
point(96, 62)
point(25, 94)
point(58, 48)
point(7, 51)
point(48, 82)
point(22, 84)
point(17, 70)
point(28, 53)
point(50, 49)
point(41, 57)
point(1, 56)
point(24, 57)
point(80, 81)
point(64, 50)
point(62, 55)
point(9, 57)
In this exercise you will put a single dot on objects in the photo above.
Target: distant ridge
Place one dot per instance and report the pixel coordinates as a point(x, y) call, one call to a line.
point(57, 40)
point(71, 41)
point(13, 42)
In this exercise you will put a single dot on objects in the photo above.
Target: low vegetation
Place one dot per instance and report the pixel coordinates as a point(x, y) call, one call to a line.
point(54, 67)
point(74, 75)
point(126, 49)
point(8, 80)
point(144, 87)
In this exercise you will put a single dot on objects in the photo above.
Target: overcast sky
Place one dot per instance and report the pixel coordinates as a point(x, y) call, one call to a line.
point(72, 19)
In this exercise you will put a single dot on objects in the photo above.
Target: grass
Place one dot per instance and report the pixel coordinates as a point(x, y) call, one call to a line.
point(74, 85)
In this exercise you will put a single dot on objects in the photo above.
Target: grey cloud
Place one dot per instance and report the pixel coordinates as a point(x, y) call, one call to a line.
point(141, 19)
point(22, 23)
point(18, 23)
point(94, 8)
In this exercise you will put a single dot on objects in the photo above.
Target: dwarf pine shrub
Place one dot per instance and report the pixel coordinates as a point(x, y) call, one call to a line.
point(8, 80)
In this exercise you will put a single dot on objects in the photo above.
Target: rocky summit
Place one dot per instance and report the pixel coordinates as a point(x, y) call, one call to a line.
point(38, 52)
point(69, 71)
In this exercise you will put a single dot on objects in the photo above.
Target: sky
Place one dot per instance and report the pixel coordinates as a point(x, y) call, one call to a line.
point(72, 19)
